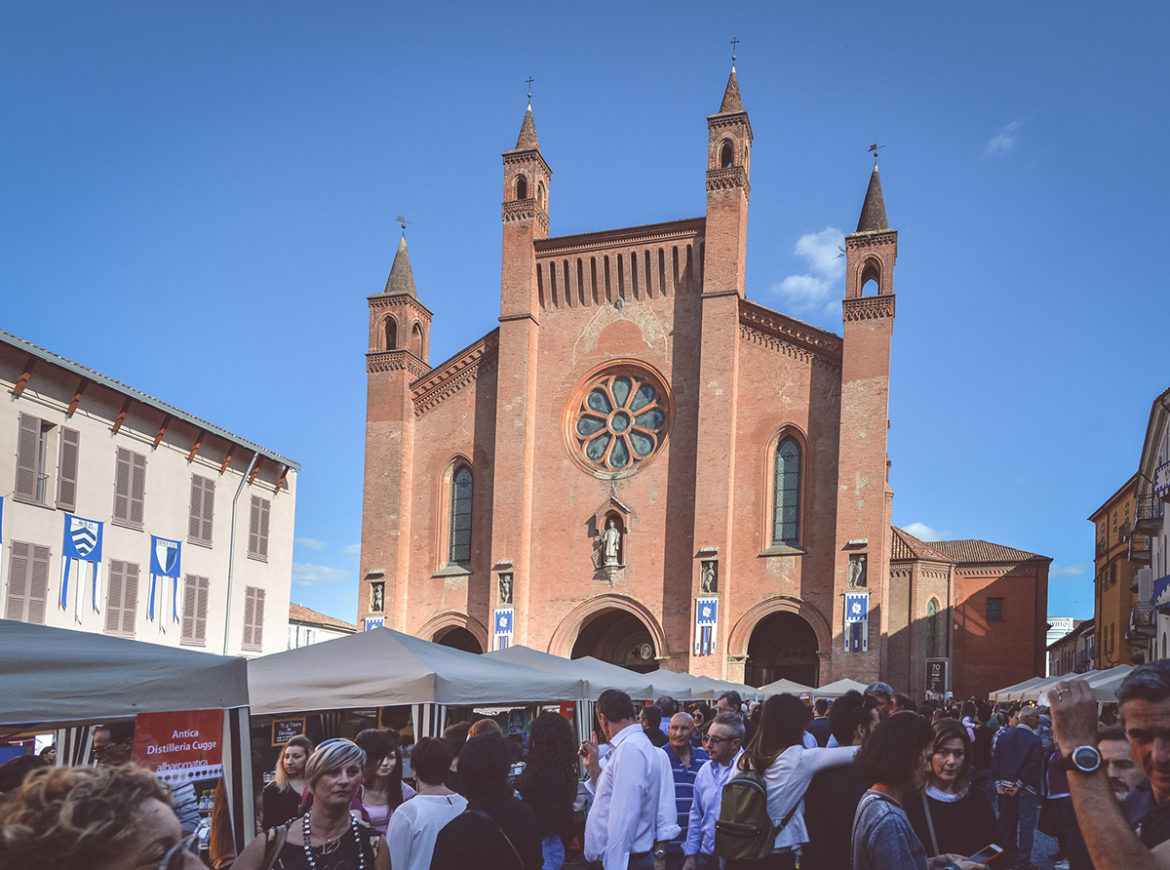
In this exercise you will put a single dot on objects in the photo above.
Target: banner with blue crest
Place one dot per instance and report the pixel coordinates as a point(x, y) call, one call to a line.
point(856, 622)
point(706, 620)
point(83, 541)
point(503, 620)
point(164, 562)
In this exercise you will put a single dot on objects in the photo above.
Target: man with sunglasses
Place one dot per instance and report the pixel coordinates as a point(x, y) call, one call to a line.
point(724, 744)
point(113, 743)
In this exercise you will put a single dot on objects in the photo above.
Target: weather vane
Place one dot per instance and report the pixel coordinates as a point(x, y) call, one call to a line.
point(734, 45)
point(874, 149)
point(529, 82)
point(402, 221)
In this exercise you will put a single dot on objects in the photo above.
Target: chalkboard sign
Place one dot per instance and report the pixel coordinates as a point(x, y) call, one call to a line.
point(284, 730)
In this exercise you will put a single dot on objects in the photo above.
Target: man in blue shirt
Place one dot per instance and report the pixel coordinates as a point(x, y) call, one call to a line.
point(685, 761)
point(724, 745)
point(1016, 766)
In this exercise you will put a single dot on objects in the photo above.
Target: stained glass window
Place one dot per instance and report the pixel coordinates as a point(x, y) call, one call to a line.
point(621, 421)
point(786, 501)
point(460, 548)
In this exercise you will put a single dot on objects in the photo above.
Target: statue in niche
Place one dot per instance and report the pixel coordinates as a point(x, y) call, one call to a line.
point(857, 569)
point(709, 577)
point(505, 589)
point(611, 541)
point(377, 597)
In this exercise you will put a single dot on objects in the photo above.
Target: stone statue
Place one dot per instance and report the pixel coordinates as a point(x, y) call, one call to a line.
point(857, 570)
point(707, 577)
point(611, 540)
point(505, 589)
point(378, 595)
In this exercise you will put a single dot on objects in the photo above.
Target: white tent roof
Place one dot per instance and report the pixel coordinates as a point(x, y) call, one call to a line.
point(779, 687)
point(597, 675)
point(383, 667)
point(838, 688)
point(58, 676)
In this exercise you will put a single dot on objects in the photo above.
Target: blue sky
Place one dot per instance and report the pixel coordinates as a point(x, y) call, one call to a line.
point(197, 198)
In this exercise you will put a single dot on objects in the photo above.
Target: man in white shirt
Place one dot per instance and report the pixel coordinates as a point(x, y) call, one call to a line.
point(632, 817)
point(724, 744)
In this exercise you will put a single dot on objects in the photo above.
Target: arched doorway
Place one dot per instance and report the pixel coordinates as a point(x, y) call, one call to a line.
point(782, 645)
point(618, 637)
point(459, 638)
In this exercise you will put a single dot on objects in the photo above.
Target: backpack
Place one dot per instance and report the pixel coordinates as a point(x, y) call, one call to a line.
point(744, 830)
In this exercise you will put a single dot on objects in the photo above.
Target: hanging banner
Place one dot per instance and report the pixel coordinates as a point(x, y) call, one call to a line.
point(180, 746)
point(164, 562)
point(375, 622)
point(83, 541)
point(856, 622)
point(706, 620)
point(504, 619)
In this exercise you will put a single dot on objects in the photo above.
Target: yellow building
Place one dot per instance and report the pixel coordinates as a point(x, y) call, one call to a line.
point(1120, 622)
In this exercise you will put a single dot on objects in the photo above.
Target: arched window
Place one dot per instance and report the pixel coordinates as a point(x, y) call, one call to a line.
point(521, 187)
point(931, 629)
point(459, 550)
point(391, 334)
point(786, 499)
point(416, 341)
point(726, 154)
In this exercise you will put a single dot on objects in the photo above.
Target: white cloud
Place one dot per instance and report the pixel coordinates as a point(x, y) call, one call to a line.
point(818, 288)
point(352, 550)
point(1067, 570)
point(923, 532)
point(1005, 140)
point(311, 544)
point(308, 574)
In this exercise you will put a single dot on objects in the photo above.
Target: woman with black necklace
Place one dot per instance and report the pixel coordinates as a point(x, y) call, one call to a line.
point(327, 837)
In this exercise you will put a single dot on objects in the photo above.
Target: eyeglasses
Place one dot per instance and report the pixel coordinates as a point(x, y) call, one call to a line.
point(176, 856)
point(715, 741)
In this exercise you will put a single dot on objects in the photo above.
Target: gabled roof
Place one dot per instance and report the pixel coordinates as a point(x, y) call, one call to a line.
point(906, 547)
point(974, 550)
point(297, 613)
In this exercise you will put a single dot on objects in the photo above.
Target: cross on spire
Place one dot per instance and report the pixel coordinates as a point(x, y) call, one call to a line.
point(529, 82)
point(734, 45)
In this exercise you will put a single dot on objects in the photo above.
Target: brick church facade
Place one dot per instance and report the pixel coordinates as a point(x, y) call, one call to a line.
point(638, 462)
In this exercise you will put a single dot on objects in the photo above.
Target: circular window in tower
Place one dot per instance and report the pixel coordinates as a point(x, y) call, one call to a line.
point(617, 419)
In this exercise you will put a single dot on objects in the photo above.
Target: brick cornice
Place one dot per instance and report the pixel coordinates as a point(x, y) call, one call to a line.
point(683, 230)
point(869, 307)
point(453, 375)
point(394, 361)
point(397, 300)
point(729, 179)
point(524, 210)
point(527, 156)
point(731, 119)
point(788, 336)
point(871, 238)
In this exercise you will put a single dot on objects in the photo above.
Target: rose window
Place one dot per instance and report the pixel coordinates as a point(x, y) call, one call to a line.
point(620, 421)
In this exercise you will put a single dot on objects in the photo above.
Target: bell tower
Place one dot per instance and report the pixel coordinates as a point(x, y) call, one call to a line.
point(399, 348)
point(525, 216)
point(863, 495)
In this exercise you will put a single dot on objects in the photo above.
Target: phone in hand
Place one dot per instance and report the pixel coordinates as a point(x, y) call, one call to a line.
point(986, 854)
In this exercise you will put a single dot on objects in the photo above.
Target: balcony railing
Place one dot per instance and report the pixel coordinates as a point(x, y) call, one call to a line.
point(1147, 513)
point(1102, 549)
point(1139, 549)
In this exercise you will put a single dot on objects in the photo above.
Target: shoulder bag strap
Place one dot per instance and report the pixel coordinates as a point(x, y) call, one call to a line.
point(496, 825)
point(930, 824)
point(276, 840)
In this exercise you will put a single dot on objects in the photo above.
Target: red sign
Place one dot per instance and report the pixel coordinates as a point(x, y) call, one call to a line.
point(568, 708)
point(182, 746)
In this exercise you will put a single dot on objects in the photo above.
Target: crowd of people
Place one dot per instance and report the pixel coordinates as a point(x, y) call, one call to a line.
point(867, 782)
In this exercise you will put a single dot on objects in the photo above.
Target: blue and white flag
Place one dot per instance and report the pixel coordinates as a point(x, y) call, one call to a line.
point(83, 541)
point(856, 621)
point(706, 621)
point(503, 621)
point(375, 622)
point(164, 562)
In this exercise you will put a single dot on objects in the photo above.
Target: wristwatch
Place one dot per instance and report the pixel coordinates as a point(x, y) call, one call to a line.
point(659, 854)
point(1083, 759)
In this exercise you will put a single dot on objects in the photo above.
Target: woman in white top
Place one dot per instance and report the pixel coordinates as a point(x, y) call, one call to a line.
point(777, 750)
point(410, 839)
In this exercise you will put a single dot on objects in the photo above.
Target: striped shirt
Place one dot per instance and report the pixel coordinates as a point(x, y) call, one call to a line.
point(684, 789)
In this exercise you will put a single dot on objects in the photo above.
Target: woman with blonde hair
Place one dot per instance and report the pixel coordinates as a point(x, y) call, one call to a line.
point(327, 836)
point(282, 796)
point(93, 818)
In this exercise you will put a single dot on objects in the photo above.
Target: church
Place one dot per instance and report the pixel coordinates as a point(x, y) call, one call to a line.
point(638, 463)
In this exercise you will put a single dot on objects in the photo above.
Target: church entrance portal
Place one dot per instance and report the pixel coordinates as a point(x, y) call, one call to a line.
point(618, 637)
point(459, 638)
point(782, 645)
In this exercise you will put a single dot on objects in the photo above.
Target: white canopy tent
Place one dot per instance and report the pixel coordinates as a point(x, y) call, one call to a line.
point(596, 674)
point(58, 678)
point(782, 686)
point(838, 688)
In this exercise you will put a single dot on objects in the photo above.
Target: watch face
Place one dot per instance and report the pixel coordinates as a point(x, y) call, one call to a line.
point(1086, 758)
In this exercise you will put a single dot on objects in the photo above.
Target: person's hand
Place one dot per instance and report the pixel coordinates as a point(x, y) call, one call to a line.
point(592, 757)
point(1074, 715)
point(659, 864)
point(688, 863)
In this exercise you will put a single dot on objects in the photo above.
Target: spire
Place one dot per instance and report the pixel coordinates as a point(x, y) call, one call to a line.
point(401, 280)
point(873, 210)
point(527, 140)
point(731, 99)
